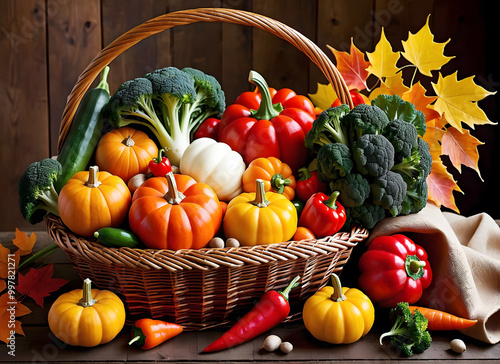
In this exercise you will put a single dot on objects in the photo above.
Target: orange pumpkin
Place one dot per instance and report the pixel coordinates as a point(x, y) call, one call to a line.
point(277, 176)
point(125, 152)
point(175, 212)
point(93, 200)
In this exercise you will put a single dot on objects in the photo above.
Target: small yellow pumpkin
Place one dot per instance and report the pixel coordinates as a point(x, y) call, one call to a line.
point(91, 200)
point(260, 217)
point(86, 317)
point(338, 315)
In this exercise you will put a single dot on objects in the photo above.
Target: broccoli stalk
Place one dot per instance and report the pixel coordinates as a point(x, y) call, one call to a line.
point(409, 330)
point(328, 128)
point(37, 194)
point(172, 103)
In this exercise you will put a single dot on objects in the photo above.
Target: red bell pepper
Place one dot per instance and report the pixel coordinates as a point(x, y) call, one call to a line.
point(148, 333)
point(323, 214)
point(160, 166)
point(261, 125)
point(356, 97)
point(394, 269)
point(269, 311)
point(208, 129)
point(308, 184)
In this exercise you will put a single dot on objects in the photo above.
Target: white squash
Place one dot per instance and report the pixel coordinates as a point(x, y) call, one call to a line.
point(215, 164)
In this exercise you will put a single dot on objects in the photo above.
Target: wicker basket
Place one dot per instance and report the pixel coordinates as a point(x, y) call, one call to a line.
point(207, 287)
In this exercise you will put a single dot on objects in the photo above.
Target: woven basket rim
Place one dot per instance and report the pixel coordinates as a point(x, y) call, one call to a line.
point(204, 258)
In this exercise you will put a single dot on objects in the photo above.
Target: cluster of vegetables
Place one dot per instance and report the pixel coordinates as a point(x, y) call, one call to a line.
point(268, 168)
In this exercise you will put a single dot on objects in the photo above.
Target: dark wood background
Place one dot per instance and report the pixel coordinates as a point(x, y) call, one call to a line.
point(46, 44)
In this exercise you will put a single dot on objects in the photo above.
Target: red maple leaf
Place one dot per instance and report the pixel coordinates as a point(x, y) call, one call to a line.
point(38, 283)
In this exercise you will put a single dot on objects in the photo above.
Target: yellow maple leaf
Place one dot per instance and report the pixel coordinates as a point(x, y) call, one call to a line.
point(457, 100)
point(383, 60)
point(416, 95)
point(440, 185)
point(324, 96)
point(461, 148)
point(23, 242)
point(390, 86)
point(423, 52)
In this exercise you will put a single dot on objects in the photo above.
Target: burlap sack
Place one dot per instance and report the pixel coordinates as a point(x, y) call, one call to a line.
point(464, 254)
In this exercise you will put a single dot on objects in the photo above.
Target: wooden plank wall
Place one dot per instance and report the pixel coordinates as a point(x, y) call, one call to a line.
point(45, 45)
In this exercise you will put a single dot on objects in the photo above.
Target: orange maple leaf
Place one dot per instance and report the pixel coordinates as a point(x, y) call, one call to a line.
point(416, 95)
point(461, 148)
point(352, 66)
point(8, 261)
point(3, 285)
point(9, 307)
point(23, 242)
point(441, 186)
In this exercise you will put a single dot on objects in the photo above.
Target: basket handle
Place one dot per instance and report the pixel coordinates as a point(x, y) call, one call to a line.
point(169, 20)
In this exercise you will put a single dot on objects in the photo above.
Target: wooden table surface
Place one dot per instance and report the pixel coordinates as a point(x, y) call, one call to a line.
point(40, 345)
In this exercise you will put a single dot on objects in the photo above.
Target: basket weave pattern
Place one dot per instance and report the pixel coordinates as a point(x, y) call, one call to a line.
point(207, 287)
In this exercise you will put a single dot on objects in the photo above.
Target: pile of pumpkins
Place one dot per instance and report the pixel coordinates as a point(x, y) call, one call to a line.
point(207, 197)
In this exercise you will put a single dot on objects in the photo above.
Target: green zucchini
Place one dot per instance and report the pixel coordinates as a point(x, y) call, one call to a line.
point(117, 238)
point(84, 133)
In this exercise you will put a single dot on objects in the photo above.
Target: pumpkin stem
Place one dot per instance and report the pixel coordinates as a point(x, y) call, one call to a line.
point(173, 196)
point(128, 141)
point(337, 295)
point(87, 300)
point(260, 194)
point(93, 181)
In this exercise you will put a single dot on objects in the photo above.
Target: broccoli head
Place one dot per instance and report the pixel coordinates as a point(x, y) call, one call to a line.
point(396, 108)
point(418, 165)
point(409, 330)
point(354, 189)
point(389, 191)
point(365, 119)
point(367, 215)
point(37, 195)
point(333, 162)
point(373, 154)
point(403, 136)
point(171, 102)
point(415, 198)
point(328, 128)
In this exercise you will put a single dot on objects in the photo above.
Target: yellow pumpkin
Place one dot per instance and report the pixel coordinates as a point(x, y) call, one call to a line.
point(92, 200)
point(125, 152)
point(87, 317)
point(260, 217)
point(338, 315)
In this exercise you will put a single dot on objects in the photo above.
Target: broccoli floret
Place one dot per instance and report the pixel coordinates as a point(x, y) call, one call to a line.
point(367, 215)
point(418, 165)
point(365, 119)
point(409, 330)
point(334, 161)
point(415, 198)
point(389, 191)
point(354, 189)
point(37, 195)
point(403, 136)
point(373, 154)
point(328, 128)
point(396, 108)
point(172, 103)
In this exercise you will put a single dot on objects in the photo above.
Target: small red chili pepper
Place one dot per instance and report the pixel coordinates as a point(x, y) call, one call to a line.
point(160, 166)
point(356, 97)
point(208, 129)
point(269, 311)
point(323, 214)
point(148, 333)
point(308, 184)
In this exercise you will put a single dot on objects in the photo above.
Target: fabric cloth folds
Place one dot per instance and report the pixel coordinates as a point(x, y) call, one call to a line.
point(464, 254)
